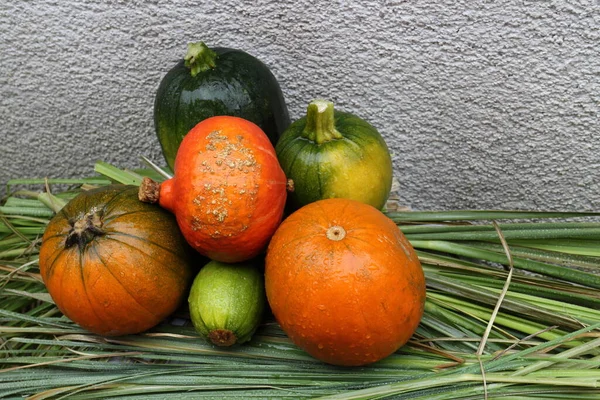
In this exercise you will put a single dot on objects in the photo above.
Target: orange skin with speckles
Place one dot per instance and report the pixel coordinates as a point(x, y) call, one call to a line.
point(228, 192)
point(344, 283)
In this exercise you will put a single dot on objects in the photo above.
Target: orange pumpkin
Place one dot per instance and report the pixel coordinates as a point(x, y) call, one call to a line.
point(343, 282)
point(228, 192)
point(114, 265)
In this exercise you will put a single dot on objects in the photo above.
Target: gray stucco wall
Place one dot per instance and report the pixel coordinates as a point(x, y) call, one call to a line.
point(485, 104)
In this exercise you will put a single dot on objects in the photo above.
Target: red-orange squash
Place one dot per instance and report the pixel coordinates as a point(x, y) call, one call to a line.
point(344, 283)
point(114, 265)
point(228, 192)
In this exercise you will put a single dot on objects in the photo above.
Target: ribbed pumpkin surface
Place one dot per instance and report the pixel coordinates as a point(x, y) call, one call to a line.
point(113, 264)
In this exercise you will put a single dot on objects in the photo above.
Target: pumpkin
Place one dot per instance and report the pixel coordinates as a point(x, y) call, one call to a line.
point(227, 301)
point(114, 265)
point(216, 81)
point(335, 154)
point(343, 282)
point(228, 192)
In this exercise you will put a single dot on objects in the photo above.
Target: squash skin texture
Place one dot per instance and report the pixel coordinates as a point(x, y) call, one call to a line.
point(357, 165)
point(229, 191)
point(124, 281)
point(238, 85)
point(227, 302)
point(348, 298)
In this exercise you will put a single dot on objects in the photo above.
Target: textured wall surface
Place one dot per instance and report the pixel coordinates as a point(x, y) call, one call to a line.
point(484, 104)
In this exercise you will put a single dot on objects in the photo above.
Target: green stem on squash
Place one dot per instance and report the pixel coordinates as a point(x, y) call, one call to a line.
point(199, 58)
point(320, 122)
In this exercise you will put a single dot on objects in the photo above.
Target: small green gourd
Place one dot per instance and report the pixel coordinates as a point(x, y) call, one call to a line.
point(227, 302)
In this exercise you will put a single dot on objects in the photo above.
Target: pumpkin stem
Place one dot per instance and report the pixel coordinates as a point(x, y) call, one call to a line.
point(85, 229)
point(289, 185)
point(199, 58)
point(222, 337)
point(335, 233)
point(320, 122)
point(149, 191)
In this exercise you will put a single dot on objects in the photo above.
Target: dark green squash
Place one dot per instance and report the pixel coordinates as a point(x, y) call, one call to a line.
point(334, 154)
point(217, 81)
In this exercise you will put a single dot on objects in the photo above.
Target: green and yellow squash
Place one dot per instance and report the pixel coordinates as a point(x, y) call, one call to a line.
point(334, 154)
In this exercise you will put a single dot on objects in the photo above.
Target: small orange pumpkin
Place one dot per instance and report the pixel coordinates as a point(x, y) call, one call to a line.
point(114, 265)
point(343, 282)
point(228, 192)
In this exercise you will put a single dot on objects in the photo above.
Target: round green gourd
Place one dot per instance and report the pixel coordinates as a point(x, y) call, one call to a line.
point(227, 301)
point(217, 81)
point(334, 154)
